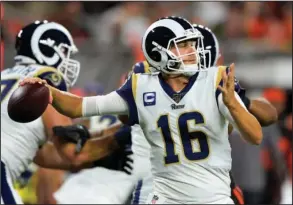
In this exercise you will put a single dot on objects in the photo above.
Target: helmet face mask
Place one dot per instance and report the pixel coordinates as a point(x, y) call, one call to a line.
point(172, 31)
point(50, 44)
point(211, 45)
point(68, 67)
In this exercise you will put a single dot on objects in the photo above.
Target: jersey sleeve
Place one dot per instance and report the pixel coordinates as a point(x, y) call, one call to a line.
point(141, 67)
point(53, 77)
point(128, 92)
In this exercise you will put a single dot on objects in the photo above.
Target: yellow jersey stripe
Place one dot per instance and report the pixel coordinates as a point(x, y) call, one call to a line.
point(146, 67)
point(134, 84)
point(219, 75)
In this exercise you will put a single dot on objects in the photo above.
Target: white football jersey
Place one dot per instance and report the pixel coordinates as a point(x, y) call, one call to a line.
point(140, 145)
point(20, 141)
point(190, 151)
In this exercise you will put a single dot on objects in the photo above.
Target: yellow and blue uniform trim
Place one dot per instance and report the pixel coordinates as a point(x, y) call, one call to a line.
point(219, 81)
point(128, 93)
point(53, 77)
point(141, 67)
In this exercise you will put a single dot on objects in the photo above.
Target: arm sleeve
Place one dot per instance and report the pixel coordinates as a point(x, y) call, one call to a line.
point(225, 111)
point(111, 103)
point(128, 92)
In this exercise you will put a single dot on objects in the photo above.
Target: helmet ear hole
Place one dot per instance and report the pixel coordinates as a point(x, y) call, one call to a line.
point(174, 65)
point(156, 56)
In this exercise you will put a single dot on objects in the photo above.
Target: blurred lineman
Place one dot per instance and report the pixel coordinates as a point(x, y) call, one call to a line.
point(43, 50)
point(21, 143)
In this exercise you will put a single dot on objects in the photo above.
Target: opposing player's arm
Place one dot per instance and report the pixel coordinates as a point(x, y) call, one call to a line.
point(48, 156)
point(233, 109)
point(94, 149)
point(49, 181)
point(264, 111)
point(108, 131)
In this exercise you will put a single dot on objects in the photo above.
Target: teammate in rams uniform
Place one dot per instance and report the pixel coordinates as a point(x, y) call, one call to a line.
point(37, 55)
point(184, 111)
point(43, 50)
point(263, 111)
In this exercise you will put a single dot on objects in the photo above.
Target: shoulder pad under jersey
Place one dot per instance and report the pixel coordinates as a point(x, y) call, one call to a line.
point(52, 76)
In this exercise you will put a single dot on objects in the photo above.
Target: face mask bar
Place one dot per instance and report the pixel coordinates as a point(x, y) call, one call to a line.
point(175, 65)
point(68, 67)
point(200, 54)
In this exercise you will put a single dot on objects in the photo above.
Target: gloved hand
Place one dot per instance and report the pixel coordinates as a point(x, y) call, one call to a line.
point(241, 92)
point(123, 136)
point(78, 134)
point(126, 163)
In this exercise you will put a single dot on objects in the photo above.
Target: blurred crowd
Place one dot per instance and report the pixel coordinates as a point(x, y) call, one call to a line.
point(108, 35)
point(105, 31)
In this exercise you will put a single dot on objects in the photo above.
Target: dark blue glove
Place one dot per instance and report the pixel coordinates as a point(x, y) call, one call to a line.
point(241, 92)
point(121, 159)
point(123, 136)
point(126, 163)
point(78, 134)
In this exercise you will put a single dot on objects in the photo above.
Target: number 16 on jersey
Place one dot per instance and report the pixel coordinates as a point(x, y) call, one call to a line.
point(187, 137)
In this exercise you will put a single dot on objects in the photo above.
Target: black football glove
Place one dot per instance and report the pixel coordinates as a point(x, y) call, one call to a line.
point(78, 134)
point(126, 163)
point(123, 136)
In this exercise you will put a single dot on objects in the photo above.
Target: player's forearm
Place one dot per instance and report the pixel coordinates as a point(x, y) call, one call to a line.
point(49, 181)
point(106, 132)
point(95, 149)
point(67, 103)
point(48, 157)
point(264, 112)
point(247, 124)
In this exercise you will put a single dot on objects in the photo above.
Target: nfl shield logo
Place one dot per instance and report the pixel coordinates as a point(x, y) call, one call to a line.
point(155, 199)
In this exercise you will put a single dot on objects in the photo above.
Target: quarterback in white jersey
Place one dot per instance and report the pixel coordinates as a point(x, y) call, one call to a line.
point(184, 112)
point(263, 111)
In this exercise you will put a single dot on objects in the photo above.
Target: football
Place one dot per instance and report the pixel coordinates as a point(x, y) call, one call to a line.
point(28, 102)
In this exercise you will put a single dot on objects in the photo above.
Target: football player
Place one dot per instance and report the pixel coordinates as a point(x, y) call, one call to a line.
point(262, 110)
point(43, 50)
point(184, 111)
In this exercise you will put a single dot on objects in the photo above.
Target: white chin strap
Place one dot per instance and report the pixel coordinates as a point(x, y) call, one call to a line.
point(189, 69)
